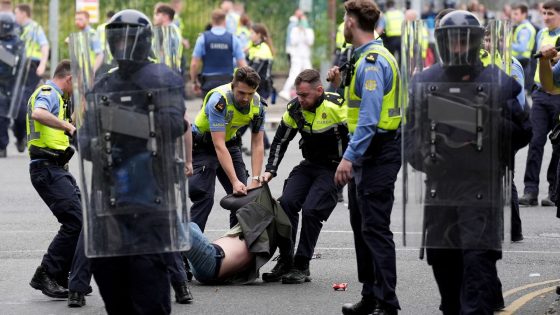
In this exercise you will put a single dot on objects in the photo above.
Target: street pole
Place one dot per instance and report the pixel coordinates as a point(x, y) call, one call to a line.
point(53, 33)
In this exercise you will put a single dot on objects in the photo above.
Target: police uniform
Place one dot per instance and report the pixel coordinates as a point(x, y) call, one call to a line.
point(219, 113)
point(12, 44)
point(374, 150)
point(523, 45)
point(259, 57)
point(544, 111)
point(34, 38)
point(49, 150)
point(463, 196)
point(393, 19)
point(310, 187)
point(217, 48)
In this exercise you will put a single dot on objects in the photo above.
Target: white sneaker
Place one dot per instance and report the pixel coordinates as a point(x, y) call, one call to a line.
point(285, 95)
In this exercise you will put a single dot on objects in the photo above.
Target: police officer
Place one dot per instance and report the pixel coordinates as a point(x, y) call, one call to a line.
point(81, 20)
point(12, 45)
point(37, 54)
point(523, 40)
point(321, 119)
point(463, 201)
point(393, 19)
point(216, 49)
point(48, 128)
point(372, 157)
point(544, 111)
point(216, 150)
point(163, 17)
point(139, 168)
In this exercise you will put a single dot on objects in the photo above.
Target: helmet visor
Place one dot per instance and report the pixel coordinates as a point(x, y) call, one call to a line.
point(458, 46)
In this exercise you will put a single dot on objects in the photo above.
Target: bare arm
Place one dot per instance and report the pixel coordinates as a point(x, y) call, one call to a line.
point(257, 156)
point(545, 68)
point(98, 61)
point(219, 140)
point(194, 69)
point(46, 118)
point(241, 63)
point(43, 62)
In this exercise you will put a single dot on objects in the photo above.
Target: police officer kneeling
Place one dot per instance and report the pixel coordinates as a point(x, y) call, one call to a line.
point(321, 119)
point(48, 129)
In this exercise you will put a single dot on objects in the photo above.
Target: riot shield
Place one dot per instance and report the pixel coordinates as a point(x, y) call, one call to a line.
point(12, 74)
point(167, 47)
point(456, 149)
point(129, 128)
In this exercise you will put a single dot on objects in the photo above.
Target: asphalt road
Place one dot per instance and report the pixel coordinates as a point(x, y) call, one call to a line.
point(530, 270)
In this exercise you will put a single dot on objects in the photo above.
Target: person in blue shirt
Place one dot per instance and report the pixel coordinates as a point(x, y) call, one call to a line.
point(544, 112)
point(81, 20)
point(216, 49)
point(48, 128)
point(373, 158)
point(523, 42)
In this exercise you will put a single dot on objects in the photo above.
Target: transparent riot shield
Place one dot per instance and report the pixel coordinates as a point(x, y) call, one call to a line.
point(129, 128)
point(456, 143)
point(12, 74)
point(167, 46)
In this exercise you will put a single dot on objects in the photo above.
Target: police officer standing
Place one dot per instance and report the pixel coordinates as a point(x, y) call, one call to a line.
point(81, 20)
point(320, 118)
point(216, 49)
point(393, 19)
point(48, 129)
point(372, 158)
point(37, 54)
point(10, 63)
point(523, 40)
point(216, 149)
point(132, 161)
point(463, 125)
point(544, 112)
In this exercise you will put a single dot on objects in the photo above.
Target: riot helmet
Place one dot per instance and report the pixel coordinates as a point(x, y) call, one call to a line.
point(459, 39)
point(7, 24)
point(129, 36)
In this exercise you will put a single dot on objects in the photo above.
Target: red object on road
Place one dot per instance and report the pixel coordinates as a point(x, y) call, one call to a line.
point(340, 286)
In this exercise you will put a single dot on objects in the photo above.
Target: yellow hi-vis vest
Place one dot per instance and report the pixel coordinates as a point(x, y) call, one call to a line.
point(527, 53)
point(234, 118)
point(259, 51)
point(550, 40)
point(393, 22)
point(43, 136)
point(390, 117)
point(32, 48)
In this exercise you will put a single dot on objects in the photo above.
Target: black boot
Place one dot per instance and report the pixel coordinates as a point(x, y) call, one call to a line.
point(45, 283)
point(183, 294)
point(299, 273)
point(366, 306)
point(76, 299)
point(282, 267)
point(528, 199)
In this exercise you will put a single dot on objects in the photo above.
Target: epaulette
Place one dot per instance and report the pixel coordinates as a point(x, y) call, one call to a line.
point(46, 88)
point(264, 102)
point(293, 104)
point(371, 57)
point(334, 98)
point(221, 105)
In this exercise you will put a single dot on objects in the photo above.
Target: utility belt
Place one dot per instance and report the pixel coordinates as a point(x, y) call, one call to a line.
point(329, 164)
point(204, 141)
point(49, 157)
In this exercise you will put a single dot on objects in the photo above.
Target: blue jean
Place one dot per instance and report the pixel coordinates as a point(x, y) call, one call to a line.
point(204, 258)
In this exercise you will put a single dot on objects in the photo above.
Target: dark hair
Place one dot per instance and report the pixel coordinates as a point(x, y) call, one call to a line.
point(218, 16)
point(521, 7)
point(244, 20)
point(24, 7)
point(390, 4)
point(310, 76)
point(365, 11)
point(552, 5)
point(261, 29)
point(63, 69)
point(165, 9)
point(441, 14)
point(84, 13)
point(248, 76)
point(110, 14)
